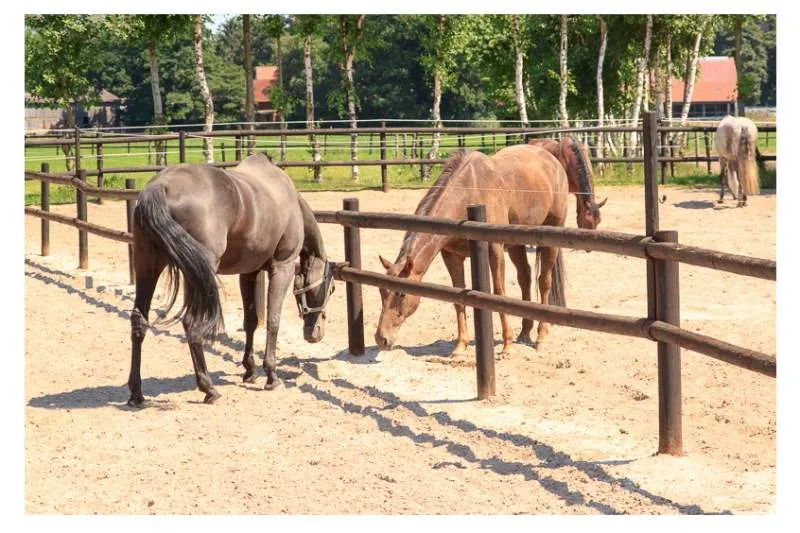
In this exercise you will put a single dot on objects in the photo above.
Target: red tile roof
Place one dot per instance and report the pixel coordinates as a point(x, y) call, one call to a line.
point(266, 77)
point(716, 81)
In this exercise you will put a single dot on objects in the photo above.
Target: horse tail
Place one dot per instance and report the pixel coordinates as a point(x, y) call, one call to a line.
point(201, 305)
point(557, 294)
point(746, 166)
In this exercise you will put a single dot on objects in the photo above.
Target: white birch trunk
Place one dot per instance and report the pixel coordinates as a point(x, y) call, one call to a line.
point(158, 106)
point(519, 86)
point(208, 102)
point(562, 61)
point(641, 69)
point(310, 104)
point(600, 103)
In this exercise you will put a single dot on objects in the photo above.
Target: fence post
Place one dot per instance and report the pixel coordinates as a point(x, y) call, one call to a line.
point(696, 148)
point(222, 149)
point(100, 176)
point(355, 308)
point(384, 169)
point(182, 146)
point(708, 151)
point(663, 150)
point(650, 151)
point(130, 183)
point(83, 242)
point(484, 338)
point(283, 142)
point(670, 432)
point(238, 144)
point(77, 165)
point(45, 200)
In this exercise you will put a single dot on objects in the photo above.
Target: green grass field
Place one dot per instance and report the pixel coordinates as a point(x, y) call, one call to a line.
point(336, 148)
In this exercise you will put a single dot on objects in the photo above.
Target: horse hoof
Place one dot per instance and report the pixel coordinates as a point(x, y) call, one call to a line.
point(272, 385)
point(211, 397)
point(249, 378)
point(458, 350)
point(524, 339)
point(137, 402)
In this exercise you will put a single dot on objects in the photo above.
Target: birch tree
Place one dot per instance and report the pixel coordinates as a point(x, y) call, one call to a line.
point(641, 81)
point(208, 102)
point(601, 55)
point(351, 29)
point(519, 87)
point(249, 108)
point(309, 26)
point(563, 74)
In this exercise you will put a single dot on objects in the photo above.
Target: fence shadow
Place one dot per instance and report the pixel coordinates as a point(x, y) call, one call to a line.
point(695, 204)
point(549, 458)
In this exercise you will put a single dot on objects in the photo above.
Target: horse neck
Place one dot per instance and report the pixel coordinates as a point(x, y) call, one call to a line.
point(582, 171)
point(422, 249)
point(313, 245)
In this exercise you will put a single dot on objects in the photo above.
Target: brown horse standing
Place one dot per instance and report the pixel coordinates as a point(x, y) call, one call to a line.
point(520, 184)
point(197, 221)
point(574, 157)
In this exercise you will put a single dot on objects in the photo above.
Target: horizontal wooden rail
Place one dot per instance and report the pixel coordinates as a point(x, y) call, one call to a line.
point(121, 236)
point(118, 194)
point(581, 239)
point(709, 129)
point(620, 325)
point(615, 324)
point(692, 255)
point(729, 353)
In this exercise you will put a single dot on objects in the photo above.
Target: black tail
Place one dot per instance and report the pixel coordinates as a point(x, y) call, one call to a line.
point(557, 294)
point(201, 306)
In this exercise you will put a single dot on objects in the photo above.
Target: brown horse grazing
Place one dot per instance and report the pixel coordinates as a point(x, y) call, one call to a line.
point(520, 184)
point(198, 220)
point(574, 157)
point(736, 146)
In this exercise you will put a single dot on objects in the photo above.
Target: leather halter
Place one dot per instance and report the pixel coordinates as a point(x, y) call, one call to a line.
point(300, 294)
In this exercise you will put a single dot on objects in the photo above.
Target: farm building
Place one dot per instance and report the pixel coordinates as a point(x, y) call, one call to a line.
point(266, 78)
point(42, 115)
point(714, 94)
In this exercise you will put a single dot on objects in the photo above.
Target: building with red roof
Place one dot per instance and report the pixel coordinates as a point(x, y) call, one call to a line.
point(266, 77)
point(714, 93)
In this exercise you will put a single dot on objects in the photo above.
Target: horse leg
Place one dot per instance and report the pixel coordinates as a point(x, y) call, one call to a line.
point(194, 337)
point(146, 279)
point(280, 276)
point(547, 260)
point(497, 264)
point(519, 256)
point(247, 286)
point(723, 178)
point(455, 266)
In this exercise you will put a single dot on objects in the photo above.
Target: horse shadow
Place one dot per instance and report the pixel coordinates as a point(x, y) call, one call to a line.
point(116, 395)
point(695, 204)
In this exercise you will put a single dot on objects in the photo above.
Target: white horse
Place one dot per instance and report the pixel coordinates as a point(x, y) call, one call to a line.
point(736, 147)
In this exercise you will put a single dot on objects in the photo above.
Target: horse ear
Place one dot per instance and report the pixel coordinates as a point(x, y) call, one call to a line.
point(409, 264)
point(601, 204)
point(386, 264)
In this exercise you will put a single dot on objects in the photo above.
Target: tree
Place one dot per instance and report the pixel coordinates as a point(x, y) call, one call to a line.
point(249, 108)
point(308, 26)
point(601, 110)
point(442, 40)
point(351, 28)
point(641, 77)
point(208, 101)
point(59, 51)
point(519, 86)
point(563, 74)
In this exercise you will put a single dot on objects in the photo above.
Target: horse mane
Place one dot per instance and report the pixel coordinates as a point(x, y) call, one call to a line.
point(583, 175)
point(433, 195)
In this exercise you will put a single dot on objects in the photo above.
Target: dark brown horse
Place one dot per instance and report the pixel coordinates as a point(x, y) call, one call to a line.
point(197, 221)
point(520, 184)
point(574, 157)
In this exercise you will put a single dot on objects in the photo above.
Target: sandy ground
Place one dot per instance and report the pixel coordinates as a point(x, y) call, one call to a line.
point(572, 430)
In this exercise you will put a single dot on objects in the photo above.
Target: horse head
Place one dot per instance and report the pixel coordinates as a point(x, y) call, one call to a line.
point(575, 158)
point(313, 285)
point(396, 307)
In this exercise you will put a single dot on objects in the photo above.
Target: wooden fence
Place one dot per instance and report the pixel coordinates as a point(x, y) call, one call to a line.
point(660, 250)
point(95, 141)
